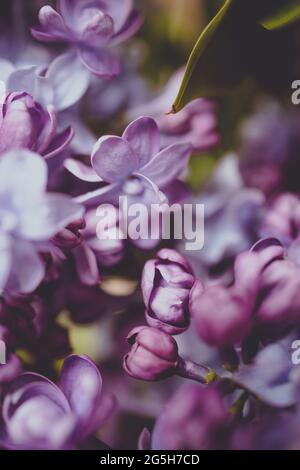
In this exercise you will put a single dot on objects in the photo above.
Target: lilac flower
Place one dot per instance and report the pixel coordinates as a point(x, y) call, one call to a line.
point(154, 354)
point(92, 28)
point(61, 84)
point(193, 419)
point(195, 124)
point(37, 414)
point(26, 124)
point(166, 284)
point(265, 292)
point(132, 164)
point(29, 219)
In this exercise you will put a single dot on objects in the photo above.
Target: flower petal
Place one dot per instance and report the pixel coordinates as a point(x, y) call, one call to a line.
point(98, 28)
point(59, 143)
point(144, 138)
point(86, 265)
point(69, 80)
point(100, 62)
point(47, 217)
point(131, 27)
point(81, 383)
point(52, 26)
point(82, 171)
point(15, 166)
point(168, 164)
point(27, 269)
point(108, 193)
point(113, 159)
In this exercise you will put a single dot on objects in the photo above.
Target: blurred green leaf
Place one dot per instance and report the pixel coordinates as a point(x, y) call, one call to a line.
point(238, 43)
point(274, 14)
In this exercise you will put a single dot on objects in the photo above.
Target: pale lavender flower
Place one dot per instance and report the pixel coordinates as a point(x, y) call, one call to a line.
point(30, 217)
point(24, 123)
point(92, 28)
point(39, 415)
point(132, 164)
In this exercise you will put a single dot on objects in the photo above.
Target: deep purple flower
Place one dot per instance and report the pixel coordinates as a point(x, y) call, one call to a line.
point(132, 164)
point(37, 414)
point(193, 419)
point(26, 124)
point(195, 124)
point(154, 354)
point(92, 28)
point(30, 217)
point(166, 285)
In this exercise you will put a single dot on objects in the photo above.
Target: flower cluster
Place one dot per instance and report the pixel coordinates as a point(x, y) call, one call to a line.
point(82, 130)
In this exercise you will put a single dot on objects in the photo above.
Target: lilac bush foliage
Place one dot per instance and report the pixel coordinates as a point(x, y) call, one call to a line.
point(84, 121)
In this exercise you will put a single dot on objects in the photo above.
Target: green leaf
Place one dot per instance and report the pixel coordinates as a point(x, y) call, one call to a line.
point(275, 14)
point(217, 63)
point(238, 43)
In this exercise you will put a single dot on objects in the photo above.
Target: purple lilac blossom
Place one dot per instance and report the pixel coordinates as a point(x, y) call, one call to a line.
point(92, 29)
point(166, 285)
point(30, 217)
point(132, 164)
point(38, 414)
point(26, 124)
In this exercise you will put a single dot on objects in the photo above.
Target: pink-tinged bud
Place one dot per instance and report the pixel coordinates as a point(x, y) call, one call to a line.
point(221, 317)
point(153, 356)
point(166, 285)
